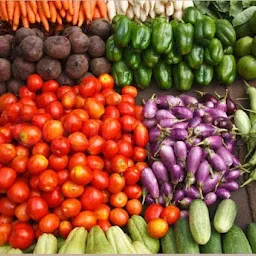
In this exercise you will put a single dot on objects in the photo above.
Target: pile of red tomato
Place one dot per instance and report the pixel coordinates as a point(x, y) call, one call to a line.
point(69, 156)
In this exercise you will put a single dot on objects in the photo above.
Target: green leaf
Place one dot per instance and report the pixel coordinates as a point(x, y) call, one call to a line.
point(221, 5)
point(235, 7)
point(202, 6)
point(246, 3)
point(243, 16)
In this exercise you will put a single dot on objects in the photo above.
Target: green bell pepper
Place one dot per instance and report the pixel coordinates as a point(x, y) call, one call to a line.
point(113, 53)
point(142, 76)
point(121, 73)
point(196, 57)
point(131, 58)
point(204, 31)
point(253, 23)
point(184, 33)
point(225, 32)
point(114, 21)
point(122, 33)
point(228, 50)
point(163, 75)
point(204, 74)
point(192, 15)
point(150, 57)
point(173, 57)
point(183, 76)
point(214, 53)
point(140, 37)
point(162, 36)
point(226, 70)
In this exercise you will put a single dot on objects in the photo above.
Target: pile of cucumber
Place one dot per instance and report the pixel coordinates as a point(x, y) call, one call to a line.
point(198, 235)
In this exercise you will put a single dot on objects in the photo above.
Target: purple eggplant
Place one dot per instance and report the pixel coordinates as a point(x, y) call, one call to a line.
point(208, 97)
point(184, 214)
point(149, 181)
point(236, 162)
point(150, 123)
point(225, 155)
point(160, 171)
point(150, 108)
point(154, 148)
point(168, 142)
point(210, 104)
point(178, 195)
point(207, 130)
point(227, 135)
point(178, 134)
point(154, 134)
point(199, 112)
point(215, 113)
point(213, 142)
point(194, 122)
point(222, 122)
point(180, 150)
point(168, 122)
point(167, 101)
point(210, 198)
point(230, 186)
point(180, 125)
point(207, 119)
point(167, 155)
point(223, 193)
point(166, 192)
point(192, 192)
point(193, 141)
point(216, 161)
point(230, 145)
point(211, 182)
point(182, 112)
point(188, 100)
point(204, 154)
point(222, 105)
point(232, 175)
point(149, 199)
point(185, 202)
point(177, 174)
point(161, 200)
point(164, 114)
point(231, 107)
point(202, 173)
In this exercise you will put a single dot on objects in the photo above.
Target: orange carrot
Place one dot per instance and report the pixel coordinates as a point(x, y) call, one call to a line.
point(38, 19)
point(10, 9)
point(96, 14)
point(71, 8)
point(4, 10)
point(81, 17)
point(62, 13)
point(33, 5)
point(102, 8)
point(58, 4)
point(31, 15)
point(25, 22)
point(76, 5)
point(46, 9)
point(87, 9)
point(53, 11)
point(59, 19)
point(69, 17)
point(42, 16)
point(93, 6)
point(23, 8)
point(16, 15)
point(65, 4)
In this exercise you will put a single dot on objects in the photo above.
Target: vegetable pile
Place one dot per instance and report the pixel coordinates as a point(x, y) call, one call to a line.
point(172, 52)
point(66, 58)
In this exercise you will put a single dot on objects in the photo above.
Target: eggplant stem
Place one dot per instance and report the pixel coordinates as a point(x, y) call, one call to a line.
point(156, 200)
point(247, 109)
point(201, 193)
point(153, 97)
point(247, 85)
point(246, 182)
point(241, 99)
point(200, 93)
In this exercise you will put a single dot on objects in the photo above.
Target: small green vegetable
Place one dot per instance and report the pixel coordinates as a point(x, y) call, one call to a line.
point(168, 242)
point(150, 57)
point(140, 37)
point(225, 32)
point(214, 53)
point(251, 234)
point(243, 46)
point(192, 15)
point(163, 75)
point(122, 33)
point(204, 74)
point(246, 67)
point(113, 53)
point(132, 58)
point(142, 76)
point(196, 57)
point(121, 73)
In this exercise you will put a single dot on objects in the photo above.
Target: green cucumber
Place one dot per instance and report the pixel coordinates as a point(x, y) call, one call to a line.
point(199, 221)
point(251, 234)
point(235, 242)
point(184, 239)
point(214, 245)
point(168, 242)
point(225, 216)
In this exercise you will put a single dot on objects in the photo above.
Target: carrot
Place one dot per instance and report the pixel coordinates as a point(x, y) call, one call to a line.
point(71, 8)
point(31, 15)
point(43, 17)
point(59, 19)
point(81, 17)
point(46, 9)
point(10, 9)
point(65, 4)
point(62, 13)
point(53, 11)
point(96, 14)
point(38, 19)
point(16, 15)
point(33, 6)
point(102, 8)
point(58, 4)
point(4, 10)
point(93, 6)
point(69, 17)
point(87, 9)
point(25, 22)
point(76, 5)
point(23, 8)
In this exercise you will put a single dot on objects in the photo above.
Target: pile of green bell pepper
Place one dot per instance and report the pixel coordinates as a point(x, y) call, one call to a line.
point(175, 53)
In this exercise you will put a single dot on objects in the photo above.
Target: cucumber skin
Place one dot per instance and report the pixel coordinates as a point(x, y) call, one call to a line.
point(199, 221)
point(168, 242)
point(214, 246)
point(251, 234)
point(184, 239)
point(235, 242)
point(225, 216)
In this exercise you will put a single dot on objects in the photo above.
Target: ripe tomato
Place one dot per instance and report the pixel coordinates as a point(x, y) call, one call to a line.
point(25, 92)
point(53, 198)
point(2, 138)
point(37, 164)
point(141, 137)
point(52, 129)
point(140, 166)
point(79, 102)
point(50, 86)
point(130, 90)
point(7, 153)
point(104, 224)
point(49, 223)
point(34, 82)
point(71, 207)
point(78, 142)
point(13, 112)
point(60, 214)
point(100, 179)
point(107, 81)
point(72, 123)
point(116, 183)
point(110, 148)
point(40, 119)
point(94, 108)
point(6, 99)
point(139, 154)
point(130, 163)
point(41, 148)
point(118, 200)
point(119, 163)
point(55, 109)
point(139, 112)
point(5, 231)
point(153, 211)
point(21, 212)
point(7, 207)
point(126, 108)
point(44, 99)
point(88, 86)
point(34, 182)
point(48, 180)
point(91, 198)
point(7, 131)
point(22, 150)
point(157, 228)
point(62, 90)
point(131, 176)
point(28, 112)
point(91, 128)
point(63, 176)
point(128, 98)
point(95, 162)
point(81, 175)
point(72, 190)
point(107, 91)
point(86, 219)
point(106, 195)
point(65, 228)
point(113, 99)
point(128, 123)
point(60, 146)
point(111, 112)
point(125, 148)
point(19, 164)
point(30, 135)
point(110, 128)
point(8, 176)
point(77, 159)
point(68, 100)
point(18, 192)
point(171, 214)
point(134, 207)
point(27, 101)
point(95, 146)
point(6, 219)
point(58, 163)
point(119, 217)
point(102, 212)
point(37, 207)
point(22, 236)
point(133, 191)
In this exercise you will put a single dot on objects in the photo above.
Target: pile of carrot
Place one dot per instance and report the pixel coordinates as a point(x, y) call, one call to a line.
point(43, 11)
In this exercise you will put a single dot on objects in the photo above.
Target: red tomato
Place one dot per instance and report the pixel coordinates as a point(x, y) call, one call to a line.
point(7, 99)
point(88, 86)
point(107, 81)
point(119, 163)
point(140, 166)
point(62, 90)
point(99, 97)
point(68, 100)
point(133, 191)
point(128, 137)
point(128, 123)
point(58, 163)
point(126, 108)
point(50, 86)
point(139, 154)
point(111, 112)
point(110, 148)
point(141, 137)
point(104, 224)
point(118, 200)
point(2, 138)
point(157, 228)
point(81, 175)
point(42, 100)
point(107, 165)
point(21, 212)
point(55, 109)
point(128, 98)
point(94, 108)
point(60, 146)
point(171, 214)
point(7, 153)
point(37, 164)
point(125, 148)
point(113, 99)
point(53, 198)
point(130, 163)
point(130, 90)
point(22, 236)
point(18, 192)
point(110, 128)
point(71, 207)
point(100, 179)
point(52, 129)
point(5, 231)
point(65, 228)
point(41, 148)
point(7, 133)
point(63, 176)
point(91, 198)
point(138, 112)
point(106, 195)
point(116, 183)
point(27, 101)
point(153, 211)
point(48, 180)
point(95, 146)
point(28, 112)
point(78, 142)
point(91, 128)
point(131, 176)
point(49, 223)
point(72, 123)
point(134, 207)
point(119, 217)
point(37, 208)
point(39, 120)
point(30, 135)
point(25, 92)
point(7, 207)
point(60, 214)
point(72, 190)
point(6, 219)
point(95, 162)
point(34, 82)
point(8, 176)
point(79, 102)
point(34, 182)
point(83, 115)
point(13, 112)
point(86, 219)
point(22, 150)
point(19, 164)
point(102, 212)
point(77, 159)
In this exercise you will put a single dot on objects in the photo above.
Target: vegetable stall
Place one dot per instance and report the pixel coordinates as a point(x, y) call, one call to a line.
point(127, 127)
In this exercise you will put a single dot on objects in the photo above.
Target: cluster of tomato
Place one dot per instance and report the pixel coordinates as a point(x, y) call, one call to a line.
point(69, 156)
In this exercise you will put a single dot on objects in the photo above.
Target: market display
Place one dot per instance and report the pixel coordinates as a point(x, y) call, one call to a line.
point(85, 168)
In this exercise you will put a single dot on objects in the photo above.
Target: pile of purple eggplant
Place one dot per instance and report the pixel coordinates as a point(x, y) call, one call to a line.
point(192, 144)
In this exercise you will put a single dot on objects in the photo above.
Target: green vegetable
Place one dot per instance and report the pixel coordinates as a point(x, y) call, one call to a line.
point(244, 16)
point(253, 23)
point(114, 21)
point(196, 57)
point(150, 57)
point(225, 216)
point(60, 242)
point(228, 50)
point(121, 73)
point(251, 234)
point(246, 67)
point(184, 33)
point(204, 31)
point(163, 75)
point(168, 242)
point(243, 30)
point(46, 244)
point(140, 37)
point(122, 33)
point(142, 76)
point(192, 15)
point(140, 248)
point(226, 70)
point(225, 32)
point(251, 178)
point(183, 76)
point(235, 242)
point(173, 57)
point(214, 53)
point(137, 228)
point(243, 46)
point(113, 53)
point(204, 74)
point(184, 240)
point(14, 251)
point(4, 249)
point(30, 249)
point(243, 123)
point(199, 221)
point(254, 46)
point(132, 58)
